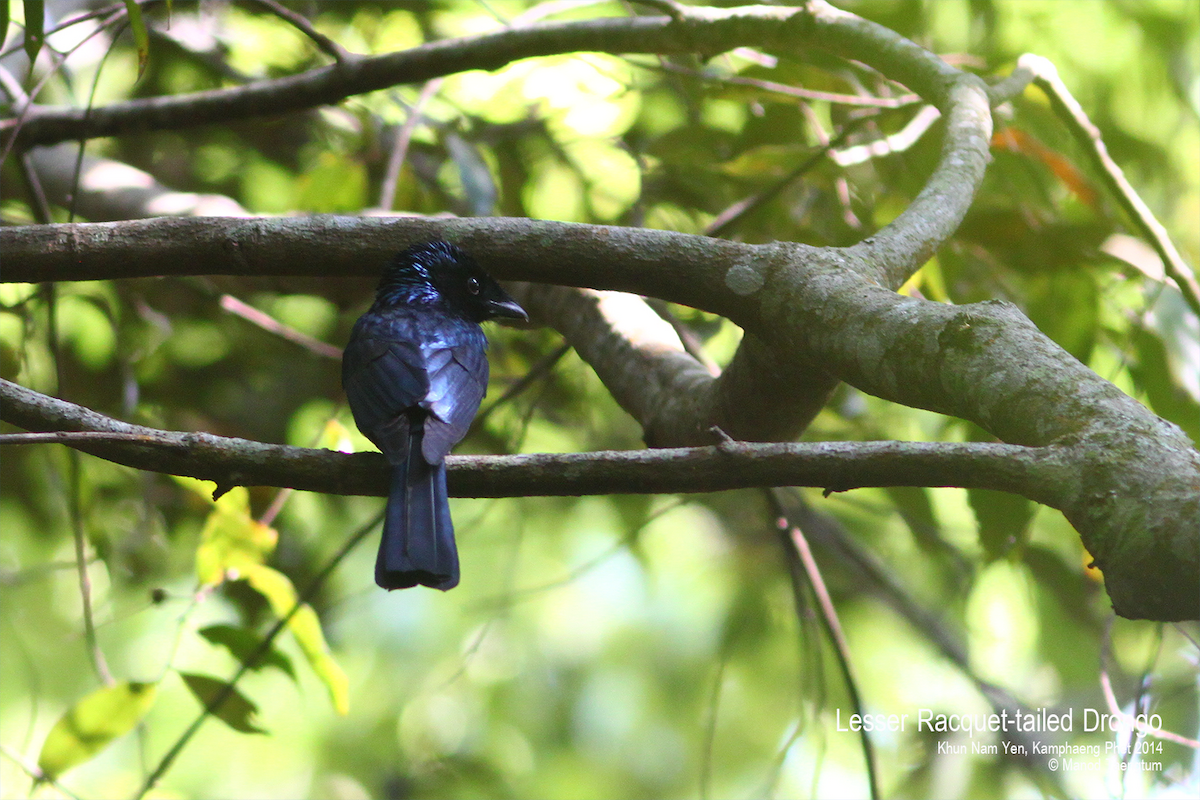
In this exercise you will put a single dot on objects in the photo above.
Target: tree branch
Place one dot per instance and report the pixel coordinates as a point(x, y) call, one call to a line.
point(1133, 492)
point(835, 466)
point(706, 30)
point(1045, 77)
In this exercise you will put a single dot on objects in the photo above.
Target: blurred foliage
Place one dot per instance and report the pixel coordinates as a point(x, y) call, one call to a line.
point(597, 647)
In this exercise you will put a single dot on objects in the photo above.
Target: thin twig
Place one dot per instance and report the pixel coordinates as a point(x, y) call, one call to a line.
point(728, 218)
point(13, 88)
point(263, 648)
point(1114, 708)
point(37, 572)
point(326, 45)
point(837, 98)
point(116, 9)
point(536, 372)
point(33, 771)
point(85, 581)
point(37, 193)
point(1088, 136)
point(272, 325)
point(897, 142)
point(28, 106)
point(833, 628)
point(710, 728)
point(577, 572)
point(391, 175)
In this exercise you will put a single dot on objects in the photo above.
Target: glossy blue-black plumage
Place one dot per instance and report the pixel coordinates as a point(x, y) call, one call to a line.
point(414, 372)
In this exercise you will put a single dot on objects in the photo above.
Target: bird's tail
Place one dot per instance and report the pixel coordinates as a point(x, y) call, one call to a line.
point(418, 537)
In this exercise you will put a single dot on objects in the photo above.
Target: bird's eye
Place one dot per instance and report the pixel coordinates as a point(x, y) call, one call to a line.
point(473, 285)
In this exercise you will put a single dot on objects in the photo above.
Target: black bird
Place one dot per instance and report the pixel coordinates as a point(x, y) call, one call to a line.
point(414, 373)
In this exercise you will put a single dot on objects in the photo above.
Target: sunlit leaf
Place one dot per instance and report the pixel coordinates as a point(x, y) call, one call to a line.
point(89, 725)
point(231, 541)
point(272, 584)
point(243, 643)
point(236, 710)
point(306, 627)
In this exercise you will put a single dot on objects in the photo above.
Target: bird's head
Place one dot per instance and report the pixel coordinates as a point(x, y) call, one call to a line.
point(440, 274)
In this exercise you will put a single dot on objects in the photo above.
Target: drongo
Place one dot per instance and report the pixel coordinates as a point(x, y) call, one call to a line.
point(414, 373)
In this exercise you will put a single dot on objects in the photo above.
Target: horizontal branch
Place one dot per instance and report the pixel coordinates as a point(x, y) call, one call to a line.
point(1132, 489)
point(835, 466)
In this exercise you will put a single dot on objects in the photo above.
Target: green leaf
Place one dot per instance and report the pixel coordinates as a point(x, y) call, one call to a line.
point(89, 725)
point(1003, 519)
point(3, 23)
point(35, 32)
point(916, 509)
point(140, 35)
point(765, 161)
point(242, 643)
point(236, 710)
point(306, 628)
point(1064, 304)
point(1153, 373)
point(334, 183)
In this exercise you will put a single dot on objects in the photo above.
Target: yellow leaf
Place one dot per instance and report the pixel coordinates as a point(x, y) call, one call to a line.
point(306, 628)
point(232, 542)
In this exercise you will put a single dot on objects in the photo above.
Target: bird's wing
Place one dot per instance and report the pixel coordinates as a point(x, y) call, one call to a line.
point(457, 367)
point(385, 378)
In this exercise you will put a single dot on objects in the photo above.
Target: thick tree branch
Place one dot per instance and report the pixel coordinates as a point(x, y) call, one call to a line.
point(890, 257)
point(1133, 492)
point(675, 399)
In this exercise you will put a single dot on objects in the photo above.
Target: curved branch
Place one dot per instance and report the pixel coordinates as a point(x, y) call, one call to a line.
point(901, 247)
point(705, 30)
point(1133, 491)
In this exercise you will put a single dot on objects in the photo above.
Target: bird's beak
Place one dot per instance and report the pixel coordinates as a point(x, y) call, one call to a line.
point(507, 307)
